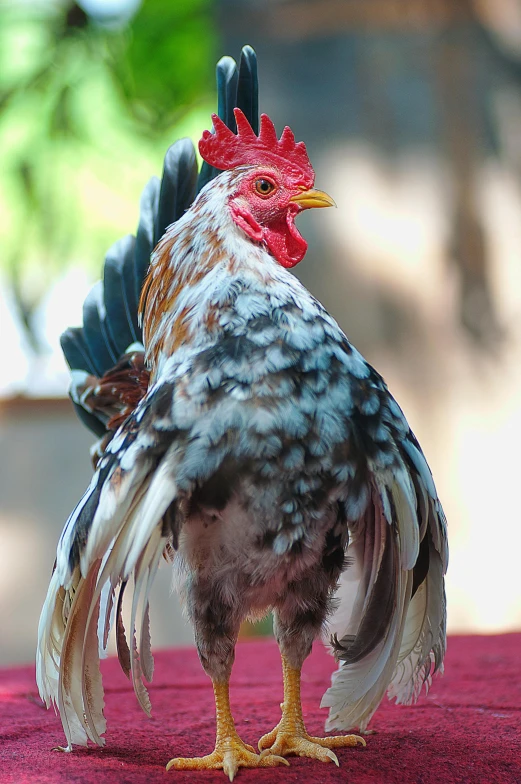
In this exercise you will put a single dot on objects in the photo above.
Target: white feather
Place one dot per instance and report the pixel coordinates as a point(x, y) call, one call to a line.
point(414, 642)
point(154, 546)
point(423, 645)
point(357, 689)
point(126, 538)
point(70, 696)
point(404, 497)
point(160, 494)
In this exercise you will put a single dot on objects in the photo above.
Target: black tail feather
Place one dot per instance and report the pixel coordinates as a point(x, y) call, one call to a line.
point(177, 185)
point(148, 209)
point(102, 350)
point(76, 351)
point(91, 421)
point(120, 296)
point(248, 87)
point(227, 81)
point(235, 88)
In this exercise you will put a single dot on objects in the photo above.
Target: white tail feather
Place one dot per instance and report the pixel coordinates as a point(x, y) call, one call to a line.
point(423, 644)
point(155, 546)
point(125, 538)
point(73, 703)
point(357, 689)
point(413, 642)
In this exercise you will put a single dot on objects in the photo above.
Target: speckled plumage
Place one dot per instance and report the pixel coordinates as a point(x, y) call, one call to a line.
point(271, 457)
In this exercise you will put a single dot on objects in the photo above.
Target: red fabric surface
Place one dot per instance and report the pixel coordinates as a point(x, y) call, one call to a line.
point(468, 729)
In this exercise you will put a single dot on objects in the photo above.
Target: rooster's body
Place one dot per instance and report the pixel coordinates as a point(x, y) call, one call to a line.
point(271, 459)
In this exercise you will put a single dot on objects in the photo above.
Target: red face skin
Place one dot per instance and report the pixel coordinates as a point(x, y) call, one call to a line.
point(261, 207)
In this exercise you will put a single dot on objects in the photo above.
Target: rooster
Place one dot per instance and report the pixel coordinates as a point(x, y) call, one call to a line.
point(258, 449)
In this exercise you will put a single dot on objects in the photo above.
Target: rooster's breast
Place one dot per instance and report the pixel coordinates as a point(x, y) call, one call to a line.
point(267, 455)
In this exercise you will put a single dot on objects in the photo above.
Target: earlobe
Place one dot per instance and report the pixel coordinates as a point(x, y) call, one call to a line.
point(245, 221)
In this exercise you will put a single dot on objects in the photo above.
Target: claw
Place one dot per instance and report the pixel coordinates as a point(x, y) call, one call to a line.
point(230, 766)
point(267, 753)
point(275, 757)
point(333, 756)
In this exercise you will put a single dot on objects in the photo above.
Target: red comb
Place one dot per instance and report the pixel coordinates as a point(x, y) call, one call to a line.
point(226, 150)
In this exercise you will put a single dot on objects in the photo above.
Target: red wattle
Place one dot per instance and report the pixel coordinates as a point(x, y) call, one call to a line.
point(280, 236)
point(284, 240)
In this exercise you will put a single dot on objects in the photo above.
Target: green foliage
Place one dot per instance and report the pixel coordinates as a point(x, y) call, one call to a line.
point(173, 40)
point(86, 115)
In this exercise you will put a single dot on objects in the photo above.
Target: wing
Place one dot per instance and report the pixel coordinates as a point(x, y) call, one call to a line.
point(110, 313)
point(118, 532)
point(389, 627)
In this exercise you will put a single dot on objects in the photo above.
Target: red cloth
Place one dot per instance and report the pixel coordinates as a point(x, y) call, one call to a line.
point(468, 729)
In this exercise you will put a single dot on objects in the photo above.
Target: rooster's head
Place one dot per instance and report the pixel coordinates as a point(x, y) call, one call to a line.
point(274, 183)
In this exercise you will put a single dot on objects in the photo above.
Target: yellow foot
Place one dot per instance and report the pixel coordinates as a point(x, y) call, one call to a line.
point(282, 742)
point(230, 756)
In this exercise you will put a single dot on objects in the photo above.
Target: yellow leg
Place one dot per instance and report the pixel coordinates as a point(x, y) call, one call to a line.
point(290, 736)
point(230, 752)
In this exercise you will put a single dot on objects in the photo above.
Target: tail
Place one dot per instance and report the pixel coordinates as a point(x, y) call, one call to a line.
point(389, 628)
point(110, 313)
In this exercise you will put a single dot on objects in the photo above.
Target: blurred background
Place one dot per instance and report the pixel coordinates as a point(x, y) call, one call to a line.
point(411, 112)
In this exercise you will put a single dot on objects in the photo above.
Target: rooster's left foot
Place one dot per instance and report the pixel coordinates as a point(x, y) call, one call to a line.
point(290, 736)
point(284, 742)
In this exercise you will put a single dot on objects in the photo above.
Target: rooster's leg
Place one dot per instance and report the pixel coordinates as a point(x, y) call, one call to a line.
point(297, 622)
point(216, 627)
point(290, 736)
point(230, 753)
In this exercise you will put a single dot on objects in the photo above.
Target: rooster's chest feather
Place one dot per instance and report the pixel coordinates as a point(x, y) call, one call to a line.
point(263, 417)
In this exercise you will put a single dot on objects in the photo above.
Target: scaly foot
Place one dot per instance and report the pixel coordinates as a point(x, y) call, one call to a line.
point(284, 740)
point(290, 736)
point(230, 755)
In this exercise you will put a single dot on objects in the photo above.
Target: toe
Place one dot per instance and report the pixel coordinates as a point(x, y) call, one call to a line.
point(267, 740)
point(307, 748)
point(193, 763)
point(339, 741)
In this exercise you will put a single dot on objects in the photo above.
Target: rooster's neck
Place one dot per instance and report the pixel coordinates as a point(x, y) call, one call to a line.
point(192, 272)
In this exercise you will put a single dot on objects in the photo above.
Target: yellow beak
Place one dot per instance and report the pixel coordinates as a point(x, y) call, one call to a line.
point(312, 198)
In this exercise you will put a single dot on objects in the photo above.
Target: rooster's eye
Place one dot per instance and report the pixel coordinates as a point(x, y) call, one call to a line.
point(264, 187)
